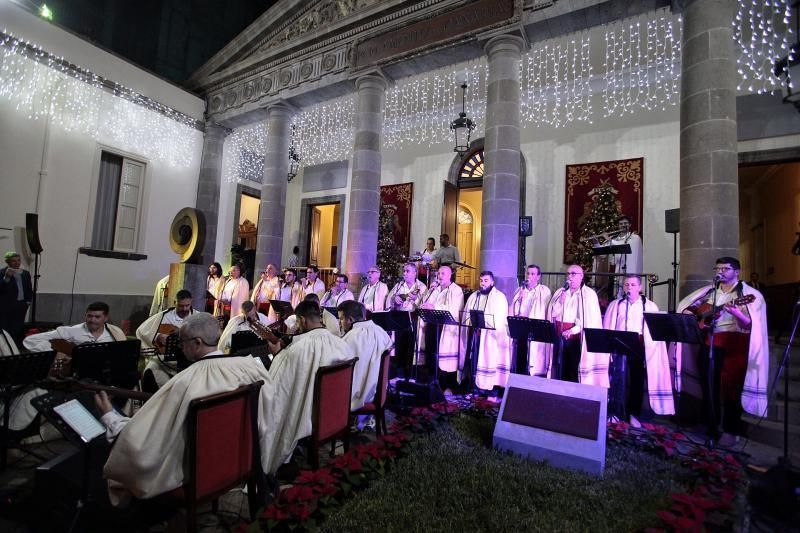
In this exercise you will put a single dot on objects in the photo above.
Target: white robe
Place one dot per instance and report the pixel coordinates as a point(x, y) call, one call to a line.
point(367, 341)
point(659, 382)
point(293, 294)
point(318, 287)
point(237, 290)
point(494, 350)
point(410, 303)
point(77, 334)
point(333, 300)
point(290, 392)
point(629, 263)
point(533, 304)
point(158, 295)
point(451, 358)
point(148, 456)
point(330, 322)
point(147, 332)
point(374, 297)
point(237, 323)
point(754, 394)
point(584, 312)
point(22, 412)
point(265, 291)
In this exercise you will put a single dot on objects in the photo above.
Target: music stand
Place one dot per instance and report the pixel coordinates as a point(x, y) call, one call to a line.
point(282, 308)
point(242, 340)
point(332, 310)
point(477, 320)
point(110, 363)
point(621, 344)
point(17, 372)
point(674, 327)
point(439, 318)
point(522, 328)
point(613, 249)
point(393, 320)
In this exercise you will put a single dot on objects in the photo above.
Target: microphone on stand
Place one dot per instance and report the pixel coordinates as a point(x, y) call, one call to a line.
point(566, 284)
point(717, 281)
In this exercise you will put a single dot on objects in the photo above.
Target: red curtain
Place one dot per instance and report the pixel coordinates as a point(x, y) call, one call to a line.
point(626, 176)
point(398, 198)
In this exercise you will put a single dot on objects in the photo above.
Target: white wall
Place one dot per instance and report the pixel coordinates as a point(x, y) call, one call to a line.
point(69, 160)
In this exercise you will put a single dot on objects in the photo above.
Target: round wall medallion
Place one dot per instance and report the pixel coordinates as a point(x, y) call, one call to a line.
point(230, 98)
point(306, 70)
point(216, 103)
point(266, 85)
point(249, 90)
point(286, 77)
point(328, 62)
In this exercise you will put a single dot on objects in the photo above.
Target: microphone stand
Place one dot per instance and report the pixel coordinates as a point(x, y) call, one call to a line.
point(713, 396)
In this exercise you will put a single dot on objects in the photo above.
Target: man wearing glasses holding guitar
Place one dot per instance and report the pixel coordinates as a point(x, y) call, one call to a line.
point(734, 315)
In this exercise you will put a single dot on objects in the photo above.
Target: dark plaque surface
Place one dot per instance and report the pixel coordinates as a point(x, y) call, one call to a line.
point(552, 412)
point(464, 20)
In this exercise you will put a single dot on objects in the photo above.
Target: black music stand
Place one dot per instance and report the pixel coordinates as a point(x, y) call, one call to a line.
point(439, 318)
point(332, 310)
point(393, 320)
point(46, 405)
point(476, 320)
point(613, 249)
point(282, 308)
point(17, 372)
point(621, 345)
point(526, 329)
point(109, 363)
point(242, 340)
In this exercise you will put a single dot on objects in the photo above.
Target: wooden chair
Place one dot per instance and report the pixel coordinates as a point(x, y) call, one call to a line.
point(377, 407)
point(331, 412)
point(223, 449)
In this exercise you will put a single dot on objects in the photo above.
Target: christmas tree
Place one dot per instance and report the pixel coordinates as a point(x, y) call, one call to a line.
point(390, 259)
point(602, 218)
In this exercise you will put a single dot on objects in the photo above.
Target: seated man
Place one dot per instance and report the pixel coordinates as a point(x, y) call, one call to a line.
point(242, 322)
point(289, 386)
point(22, 412)
point(148, 456)
point(330, 322)
point(368, 341)
point(94, 329)
point(153, 335)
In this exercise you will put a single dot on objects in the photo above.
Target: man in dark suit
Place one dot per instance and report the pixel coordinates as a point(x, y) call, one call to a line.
point(16, 293)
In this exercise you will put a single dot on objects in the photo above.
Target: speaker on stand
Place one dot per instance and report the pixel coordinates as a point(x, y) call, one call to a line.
point(672, 224)
point(35, 246)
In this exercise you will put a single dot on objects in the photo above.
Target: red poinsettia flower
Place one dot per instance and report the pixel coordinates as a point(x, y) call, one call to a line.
point(323, 476)
point(274, 512)
point(301, 511)
point(363, 451)
point(347, 462)
point(297, 493)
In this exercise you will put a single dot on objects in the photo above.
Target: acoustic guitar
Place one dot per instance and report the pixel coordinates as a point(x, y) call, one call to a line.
point(705, 313)
point(171, 332)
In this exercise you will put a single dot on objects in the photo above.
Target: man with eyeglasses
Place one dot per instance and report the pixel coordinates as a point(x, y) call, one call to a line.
point(572, 308)
point(339, 293)
point(741, 350)
point(267, 288)
point(373, 294)
point(311, 283)
point(149, 454)
point(234, 290)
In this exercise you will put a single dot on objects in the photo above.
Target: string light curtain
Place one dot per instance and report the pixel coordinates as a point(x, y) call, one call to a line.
point(762, 29)
point(43, 85)
point(244, 153)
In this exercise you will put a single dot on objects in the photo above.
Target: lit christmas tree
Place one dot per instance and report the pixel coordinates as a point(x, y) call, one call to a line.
point(602, 218)
point(390, 259)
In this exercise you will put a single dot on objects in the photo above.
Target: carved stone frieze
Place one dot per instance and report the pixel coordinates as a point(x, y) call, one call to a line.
point(322, 14)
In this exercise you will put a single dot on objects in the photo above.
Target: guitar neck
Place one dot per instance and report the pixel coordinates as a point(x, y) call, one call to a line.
point(74, 384)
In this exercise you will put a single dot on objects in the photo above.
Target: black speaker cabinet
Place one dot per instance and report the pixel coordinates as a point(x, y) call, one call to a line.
point(672, 220)
point(32, 232)
point(525, 226)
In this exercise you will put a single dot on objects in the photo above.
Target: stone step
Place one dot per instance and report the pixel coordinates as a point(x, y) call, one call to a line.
point(770, 432)
point(794, 390)
point(775, 411)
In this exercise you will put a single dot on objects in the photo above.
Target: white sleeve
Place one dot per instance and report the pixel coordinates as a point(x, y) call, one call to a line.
point(114, 423)
point(40, 342)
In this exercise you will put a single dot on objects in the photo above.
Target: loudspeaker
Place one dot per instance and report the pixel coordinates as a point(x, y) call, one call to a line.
point(32, 232)
point(556, 421)
point(672, 220)
point(525, 226)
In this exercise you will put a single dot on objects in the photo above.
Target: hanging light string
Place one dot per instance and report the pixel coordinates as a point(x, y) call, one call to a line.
point(761, 30)
point(75, 99)
point(244, 152)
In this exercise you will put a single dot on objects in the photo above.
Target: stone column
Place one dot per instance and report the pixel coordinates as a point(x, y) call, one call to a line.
point(709, 185)
point(501, 181)
point(208, 187)
point(269, 245)
point(364, 202)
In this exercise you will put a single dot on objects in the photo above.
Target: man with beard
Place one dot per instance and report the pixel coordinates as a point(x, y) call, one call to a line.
point(492, 352)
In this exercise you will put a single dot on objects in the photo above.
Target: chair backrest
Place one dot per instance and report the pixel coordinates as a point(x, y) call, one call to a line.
point(383, 380)
point(223, 441)
point(332, 388)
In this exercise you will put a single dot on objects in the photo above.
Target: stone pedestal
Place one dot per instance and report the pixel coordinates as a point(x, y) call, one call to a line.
point(208, 187)
point(709, 185)
point(189, 277)
point(364, 202)
point(501, 182)
point(269, 245)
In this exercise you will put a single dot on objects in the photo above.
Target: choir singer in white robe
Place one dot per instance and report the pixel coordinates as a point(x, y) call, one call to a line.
point(150, 335)
point(627, 314)
point(494, 348)
point(234, 290)
point(443, 296)
point(367, 341)
point(530, 301)
point(373, 294)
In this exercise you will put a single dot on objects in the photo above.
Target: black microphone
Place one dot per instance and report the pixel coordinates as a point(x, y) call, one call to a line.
point(566, 284)
point(717, 281)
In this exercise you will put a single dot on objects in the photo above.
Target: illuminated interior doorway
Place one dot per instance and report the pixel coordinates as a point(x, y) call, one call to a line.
point(323, 235)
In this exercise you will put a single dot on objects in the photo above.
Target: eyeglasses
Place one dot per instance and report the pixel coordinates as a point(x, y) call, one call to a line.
point(570, 274)
point(309, 271)
point(373, 272)
point(722, 269)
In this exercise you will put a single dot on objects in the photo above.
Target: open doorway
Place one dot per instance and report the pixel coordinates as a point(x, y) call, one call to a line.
point(468, 231)
point(323, 234)
point(245, 230)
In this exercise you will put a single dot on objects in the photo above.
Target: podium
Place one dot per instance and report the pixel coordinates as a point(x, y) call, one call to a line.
point(526, 329)
point(621, 345)
point(438, 318)
point(476, 320)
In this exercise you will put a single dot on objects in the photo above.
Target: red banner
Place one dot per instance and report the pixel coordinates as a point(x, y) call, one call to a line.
point(625, 177)
point(396, 200)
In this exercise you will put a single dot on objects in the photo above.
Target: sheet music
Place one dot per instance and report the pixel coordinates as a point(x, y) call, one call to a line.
point(80, 419)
